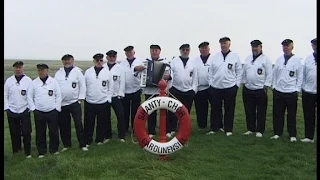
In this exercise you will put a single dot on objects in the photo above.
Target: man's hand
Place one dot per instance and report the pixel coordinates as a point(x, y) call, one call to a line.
point(139, 68)
point(167, 77)
point(265, 88)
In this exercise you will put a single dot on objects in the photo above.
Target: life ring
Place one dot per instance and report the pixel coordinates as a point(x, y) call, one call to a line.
point(141, 117)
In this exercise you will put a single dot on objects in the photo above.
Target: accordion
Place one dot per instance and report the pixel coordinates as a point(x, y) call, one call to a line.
point(151, 76)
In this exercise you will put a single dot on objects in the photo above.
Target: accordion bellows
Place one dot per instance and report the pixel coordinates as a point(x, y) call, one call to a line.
point(153, 73)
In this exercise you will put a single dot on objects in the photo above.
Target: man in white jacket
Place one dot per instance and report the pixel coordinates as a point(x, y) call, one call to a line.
point(99, 85)
point(225, 73)
point(118, 78)
point(309, 93)
point(73, 91)
point(201, 99)
point(155, 51)
point(257, 78)
point(16, 88)
point(132, 98)
point(44, 98)
point(286, 82)
point(184, 83)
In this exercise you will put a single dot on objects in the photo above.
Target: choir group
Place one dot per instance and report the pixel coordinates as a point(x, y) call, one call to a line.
point(208, 79)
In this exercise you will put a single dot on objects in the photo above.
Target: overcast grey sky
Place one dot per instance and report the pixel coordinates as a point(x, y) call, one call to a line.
point(47, 29)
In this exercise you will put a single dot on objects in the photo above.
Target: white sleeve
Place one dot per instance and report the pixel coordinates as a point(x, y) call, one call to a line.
point(304, 73)
point(268, 67)
point(58, 96)
point(110, 88)
point(299, 76)
point(82, 86)
point(136, 73)
point(274, 75)
point(210, 72)
point(238, 71)
point(122, 83)
point(86, 78)
point(6, 96)
point(244, 74)
point(30, 97)
point(195, 80)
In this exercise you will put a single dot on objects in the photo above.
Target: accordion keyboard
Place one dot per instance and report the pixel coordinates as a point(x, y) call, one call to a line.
point(143, 82)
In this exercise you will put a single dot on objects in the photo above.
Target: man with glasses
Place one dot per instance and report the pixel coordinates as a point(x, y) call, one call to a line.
point(287, 81)
point(131, 100)
point(73, 91)
point(184, 83)
point(201, 99)
point(118, 78)
point(16, 88)
point(99, 85)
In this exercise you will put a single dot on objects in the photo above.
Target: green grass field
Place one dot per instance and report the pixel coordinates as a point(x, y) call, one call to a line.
point(206, 157)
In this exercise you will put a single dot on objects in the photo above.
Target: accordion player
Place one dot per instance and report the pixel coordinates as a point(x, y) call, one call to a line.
point(154, 72)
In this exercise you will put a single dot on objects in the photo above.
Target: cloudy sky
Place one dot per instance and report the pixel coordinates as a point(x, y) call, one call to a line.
point(47, 29)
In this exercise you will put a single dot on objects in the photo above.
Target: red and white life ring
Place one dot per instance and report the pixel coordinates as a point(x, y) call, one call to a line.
point(184, 131)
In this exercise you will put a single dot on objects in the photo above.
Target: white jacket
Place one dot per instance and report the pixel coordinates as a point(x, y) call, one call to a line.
point(202, 72)
point(118, 78)
point(73, 87)
point(288, 78)
point(225, 73)
point(309, 83)
point(99, 88)
point(15, 95)
point(185, 77)
point(132, 82)
point(44, 97)
point(258, 74)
